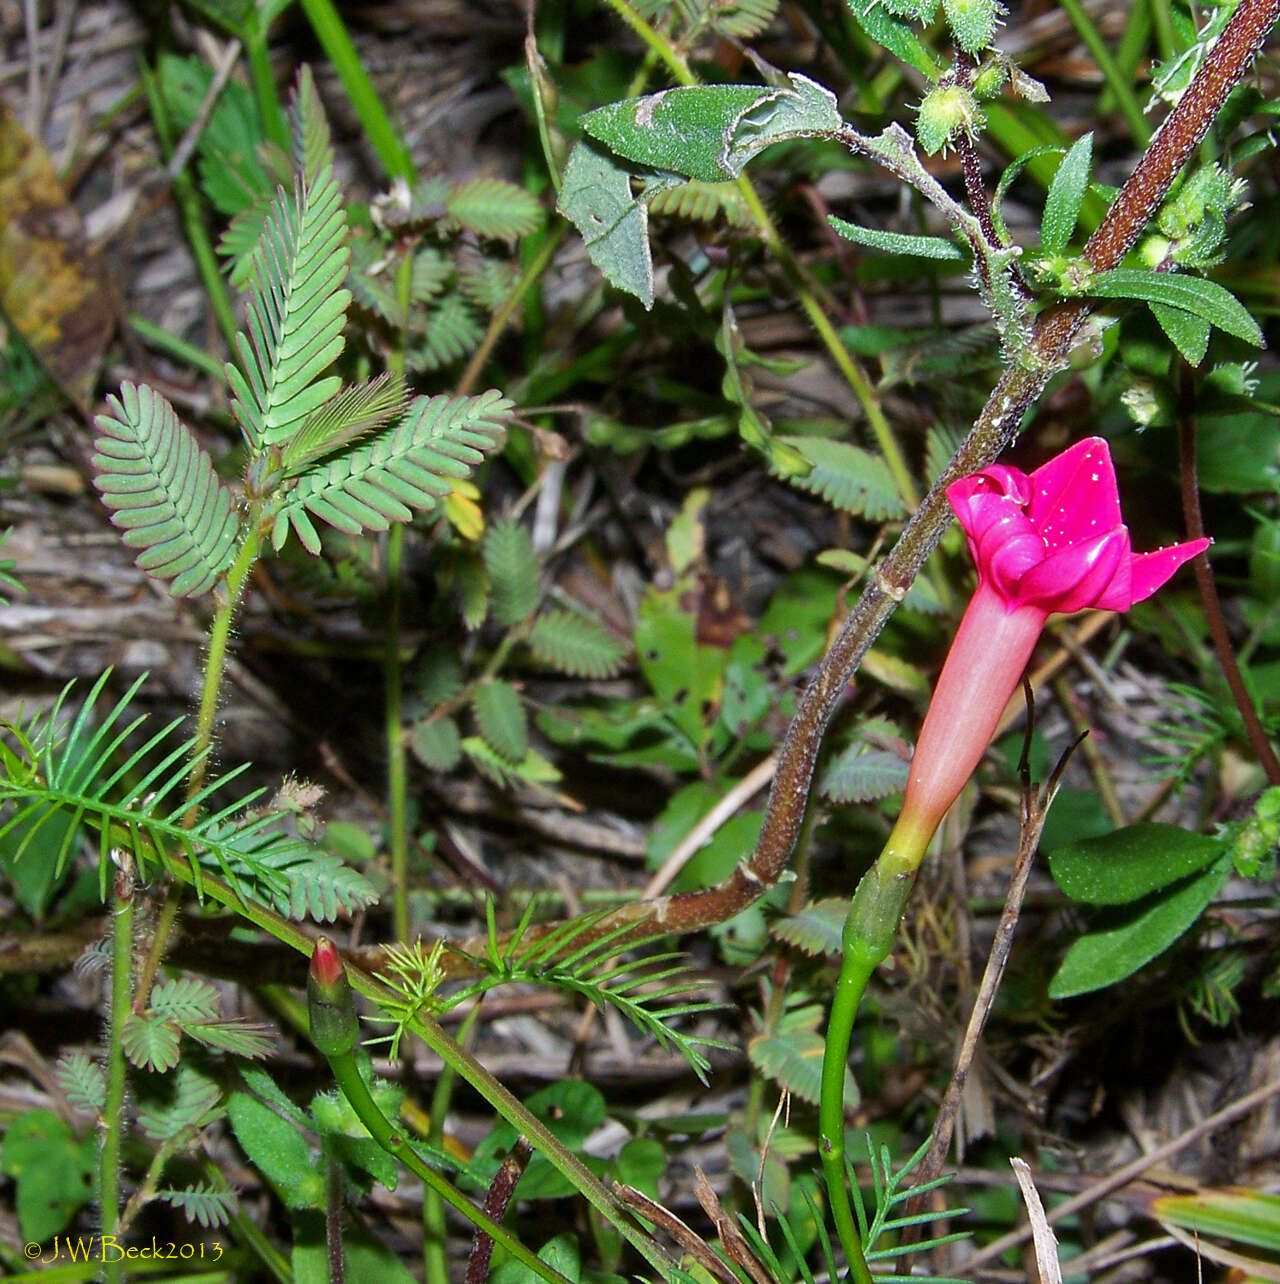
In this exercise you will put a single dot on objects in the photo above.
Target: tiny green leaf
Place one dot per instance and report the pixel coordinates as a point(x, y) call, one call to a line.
point(1246, 1216)
point(436, 744)
point(1130, 863)
point(1126, 939)
point(1066, 195)
point(1194, 294)
point(897, 37)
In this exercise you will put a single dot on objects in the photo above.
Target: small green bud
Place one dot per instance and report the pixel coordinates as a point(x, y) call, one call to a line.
point(947, 110)
point(1153, 251)
point(973, 22)
point(331, 1007)
point(991, 79)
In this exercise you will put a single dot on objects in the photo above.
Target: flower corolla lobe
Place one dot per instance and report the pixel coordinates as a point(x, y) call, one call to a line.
point(1055, 540)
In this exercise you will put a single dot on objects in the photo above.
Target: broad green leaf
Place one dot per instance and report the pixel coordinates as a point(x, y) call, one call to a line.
point(684, 674)
point(1206, 299)
point(278, 1150)
point(1125, 939)
point(641, 1163)
point(596, 197)
point(1244, 1216)
point(1187, 332)
point(1239, 452)
point(561, 1254)
point(803, 110)
point(682, 131)
point(33, 857)
point(53, 1171)
point(1066, 195)
point(1130, 863)
point(922, 247)
point(501, 718)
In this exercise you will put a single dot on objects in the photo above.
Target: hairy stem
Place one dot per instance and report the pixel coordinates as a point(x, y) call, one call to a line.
point(113, 1122)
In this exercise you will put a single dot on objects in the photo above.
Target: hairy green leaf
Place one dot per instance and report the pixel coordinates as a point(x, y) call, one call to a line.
point(513, 571)
point(924, 247)
point(436, 744)
point(1187, 332)
point(1066, 195)
point(1124, 939)
point(576, 645)
point(162, 491)
point(502, 720)
point(1131, 863)
point(277, 1150)
point(402, 468)
point(816, 929)
point(1206, 299)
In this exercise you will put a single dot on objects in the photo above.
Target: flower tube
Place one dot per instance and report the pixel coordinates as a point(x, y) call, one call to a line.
point(1050, 542)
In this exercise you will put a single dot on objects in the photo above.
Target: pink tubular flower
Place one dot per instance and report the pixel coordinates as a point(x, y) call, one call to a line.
point(1050, 542)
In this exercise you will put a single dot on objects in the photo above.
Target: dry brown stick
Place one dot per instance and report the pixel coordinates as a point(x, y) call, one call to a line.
point(1208, 587)
point(1104, 1186)
point(1035, 811)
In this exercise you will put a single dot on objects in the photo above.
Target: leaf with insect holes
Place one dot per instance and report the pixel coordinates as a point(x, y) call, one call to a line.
point(495, 208)
point(297, 304)
point(596, 197)
point(576, 645)
point(163, 492)
point(513, 571)
point(502, 720)
point(404, 467)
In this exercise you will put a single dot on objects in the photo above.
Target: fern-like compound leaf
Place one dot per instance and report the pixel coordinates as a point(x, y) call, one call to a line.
point(297, 305)
point(162, 491)
point(513, 571)
point(205, 1205)
point(494, 207)
point(406, 467)
point(354, 412)
point(576, 645)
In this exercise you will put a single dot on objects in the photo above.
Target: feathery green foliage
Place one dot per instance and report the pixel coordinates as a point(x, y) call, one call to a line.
point(135, 800)
point(162, 491)
point(402, 468)
point(513, 571)
point(296, 308)
point(576, 645)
